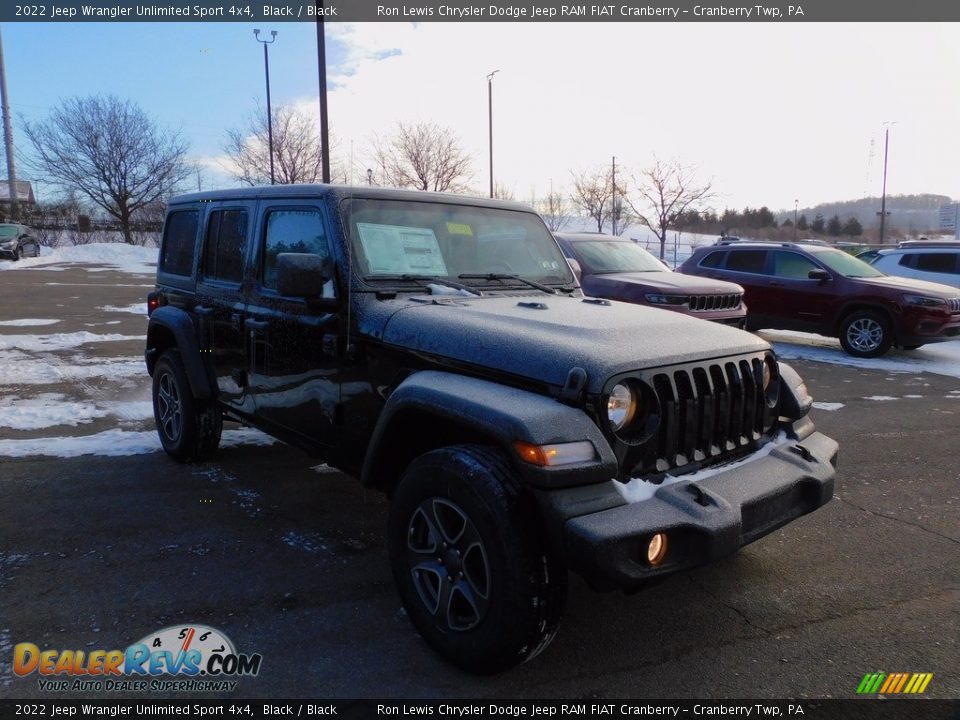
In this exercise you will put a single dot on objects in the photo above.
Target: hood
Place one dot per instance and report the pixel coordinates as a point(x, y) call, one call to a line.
point(666, 281)
point(506, 334)
point(911, 285)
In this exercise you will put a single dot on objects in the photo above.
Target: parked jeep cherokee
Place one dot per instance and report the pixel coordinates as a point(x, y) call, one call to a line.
point(439, 349)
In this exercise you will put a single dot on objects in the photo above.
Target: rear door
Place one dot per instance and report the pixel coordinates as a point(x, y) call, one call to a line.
point(749, 267)
point(292, 344)
point(220, 307)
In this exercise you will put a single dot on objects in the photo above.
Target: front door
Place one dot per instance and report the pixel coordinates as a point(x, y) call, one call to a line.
point(292, 344)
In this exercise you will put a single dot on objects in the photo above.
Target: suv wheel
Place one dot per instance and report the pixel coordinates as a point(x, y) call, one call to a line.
point(188, 429)
point(18, 254)
point(470, 562)
point(865, 334)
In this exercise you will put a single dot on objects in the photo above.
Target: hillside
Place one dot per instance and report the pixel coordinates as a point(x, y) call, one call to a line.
point(908, 213)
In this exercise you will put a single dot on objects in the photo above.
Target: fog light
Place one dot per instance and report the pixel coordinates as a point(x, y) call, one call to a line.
point(657, 549)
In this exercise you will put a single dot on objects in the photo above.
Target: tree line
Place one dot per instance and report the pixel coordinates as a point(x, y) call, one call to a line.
point(107, 153)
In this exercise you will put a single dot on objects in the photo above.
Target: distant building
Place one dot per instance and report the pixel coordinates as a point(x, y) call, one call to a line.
point(24, 193)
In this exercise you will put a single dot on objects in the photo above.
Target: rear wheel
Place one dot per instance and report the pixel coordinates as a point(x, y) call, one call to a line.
point(470, 561)
point(865, 334)
point(18, 255)
point(189, 429)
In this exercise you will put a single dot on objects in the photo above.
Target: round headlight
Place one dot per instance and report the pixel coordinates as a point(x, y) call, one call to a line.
point(621, 406)
point(767, 375)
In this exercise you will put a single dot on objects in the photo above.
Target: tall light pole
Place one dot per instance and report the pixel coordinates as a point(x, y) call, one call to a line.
point(266, 72)
point(322, 72)
point(883, 197)
point(796, 205)
point(613, 201)
point(490, 122)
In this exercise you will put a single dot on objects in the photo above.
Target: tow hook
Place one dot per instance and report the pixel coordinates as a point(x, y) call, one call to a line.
point(800, 450)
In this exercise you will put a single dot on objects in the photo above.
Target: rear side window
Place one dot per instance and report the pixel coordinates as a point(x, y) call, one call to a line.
point(179, 240)
point(226, 239)
point(750, 261)
point(936, 262)
point(792, 265)
point(291, 231)
point(712, 260)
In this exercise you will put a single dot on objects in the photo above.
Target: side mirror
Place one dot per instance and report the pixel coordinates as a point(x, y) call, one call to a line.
point(819, 274)
point(300, 275)
point(575, 267)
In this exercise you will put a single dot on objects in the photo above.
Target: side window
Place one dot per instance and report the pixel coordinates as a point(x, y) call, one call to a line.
point(712, 260)
point(223, 251)
point(291, 231)
point(749, 261)
point(937, 262)
point(179, 239)
point(792, 265)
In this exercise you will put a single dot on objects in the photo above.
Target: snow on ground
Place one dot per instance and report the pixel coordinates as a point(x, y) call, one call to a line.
point(115, 443)
point(28, 322)
point(19, 368)
point(828, 406)
point(58, 341)
point(53, 409)
point(880, 398)
point(937, 358)
point(117, 256)
point(134, 309)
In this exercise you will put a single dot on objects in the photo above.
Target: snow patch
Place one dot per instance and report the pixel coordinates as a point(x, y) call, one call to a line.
point(638, 489)
point(134, 309)
point(29, 322)
point(880, 398)
point(116, 256)
point(19, 368)
point(58, 341)
point(829, 406)
point(311, 544)
point(115, 443)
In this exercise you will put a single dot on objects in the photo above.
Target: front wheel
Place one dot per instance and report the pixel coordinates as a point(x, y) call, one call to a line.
point(865, 334)
point(470, 562)
point(188, 428)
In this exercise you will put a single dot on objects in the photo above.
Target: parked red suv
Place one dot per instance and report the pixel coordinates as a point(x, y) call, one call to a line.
point(817, 288)
point(616, 268)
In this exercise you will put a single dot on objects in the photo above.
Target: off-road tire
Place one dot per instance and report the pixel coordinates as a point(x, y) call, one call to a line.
point(189, 429)
point(525, 584)
point(866, 334)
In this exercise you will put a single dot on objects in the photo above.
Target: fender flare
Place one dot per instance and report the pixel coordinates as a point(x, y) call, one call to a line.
point(175, 322)
point(498, 414)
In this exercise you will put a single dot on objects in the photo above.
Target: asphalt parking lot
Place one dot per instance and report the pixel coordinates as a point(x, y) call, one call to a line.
point(288, 558)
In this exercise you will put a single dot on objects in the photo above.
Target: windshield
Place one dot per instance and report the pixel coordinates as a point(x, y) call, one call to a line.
point(8, 230)
point(847, 265)
point(615, 256)
point(396, 238)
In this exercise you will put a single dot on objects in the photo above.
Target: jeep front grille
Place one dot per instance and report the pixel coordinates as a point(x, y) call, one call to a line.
point(707, 412)
point(954, 305)
point(704, 303)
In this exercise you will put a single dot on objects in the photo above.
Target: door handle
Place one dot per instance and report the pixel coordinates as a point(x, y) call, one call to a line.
point(202, 311)
point(776, 283)
point(256, 324)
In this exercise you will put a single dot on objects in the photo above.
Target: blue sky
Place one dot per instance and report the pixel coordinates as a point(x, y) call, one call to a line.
point(766, 112)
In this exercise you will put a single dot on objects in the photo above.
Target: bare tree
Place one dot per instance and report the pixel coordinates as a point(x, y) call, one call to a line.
point(424, 156)
point(555, 211)
point(663, 193)
point(110, 151)
point(593, 192)
point(297, 150)
point(503, 192)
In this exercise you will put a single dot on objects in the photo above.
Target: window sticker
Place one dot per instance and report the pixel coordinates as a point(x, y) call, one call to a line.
point(459, 229)
point(395, 249)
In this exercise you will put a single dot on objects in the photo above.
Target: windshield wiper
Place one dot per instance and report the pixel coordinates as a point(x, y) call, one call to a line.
point(426, 280)
point(508, 276)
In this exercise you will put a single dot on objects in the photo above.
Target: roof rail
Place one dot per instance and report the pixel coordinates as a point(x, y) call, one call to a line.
point(928, 244)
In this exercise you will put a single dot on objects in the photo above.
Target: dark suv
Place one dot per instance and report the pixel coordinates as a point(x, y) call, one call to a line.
point(439, 349)
point(617, 268)
point(17, 241)
point(816, 288)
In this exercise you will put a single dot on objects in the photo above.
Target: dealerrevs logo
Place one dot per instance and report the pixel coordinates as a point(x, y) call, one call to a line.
point(199, 657)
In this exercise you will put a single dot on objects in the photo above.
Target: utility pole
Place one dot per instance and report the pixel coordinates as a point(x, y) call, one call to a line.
point(796, 205)
point(614, 196)
point(883, 198)
point(8, 136)
point(490, 122)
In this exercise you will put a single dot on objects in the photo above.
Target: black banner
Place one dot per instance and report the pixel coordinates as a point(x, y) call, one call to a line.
point(479, 11)
point(872, 709)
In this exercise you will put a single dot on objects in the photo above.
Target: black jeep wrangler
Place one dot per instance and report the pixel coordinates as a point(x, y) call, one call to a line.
point(438, 348)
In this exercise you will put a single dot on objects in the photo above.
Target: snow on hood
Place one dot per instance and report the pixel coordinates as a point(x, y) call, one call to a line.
point(558, 333)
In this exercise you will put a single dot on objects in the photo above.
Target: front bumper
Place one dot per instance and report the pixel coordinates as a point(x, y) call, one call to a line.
point(920, 326)
point(704, 519)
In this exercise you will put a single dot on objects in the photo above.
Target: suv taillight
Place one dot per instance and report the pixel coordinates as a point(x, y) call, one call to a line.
point(153, 302)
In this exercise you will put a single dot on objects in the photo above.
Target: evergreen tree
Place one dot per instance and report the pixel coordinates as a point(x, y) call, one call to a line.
point(818, 224)
point(834, 226)
point(802, 223)
point(852, 227)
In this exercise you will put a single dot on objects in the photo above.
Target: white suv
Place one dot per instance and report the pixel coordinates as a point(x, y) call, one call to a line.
point(933, 261)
